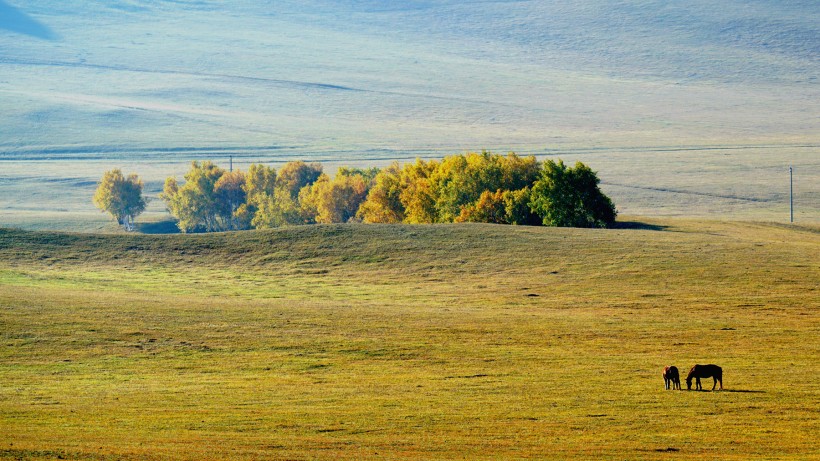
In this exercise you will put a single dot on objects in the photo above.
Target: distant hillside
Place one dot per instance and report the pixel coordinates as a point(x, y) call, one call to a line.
point(362, 76)
point(634, 88)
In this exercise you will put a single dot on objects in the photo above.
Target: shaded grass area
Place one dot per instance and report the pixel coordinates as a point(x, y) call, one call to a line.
point(410, 342)
point(166, 226)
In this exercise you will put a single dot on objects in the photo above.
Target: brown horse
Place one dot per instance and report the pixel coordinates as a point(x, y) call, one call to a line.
point(704, 371)
point(671, 376)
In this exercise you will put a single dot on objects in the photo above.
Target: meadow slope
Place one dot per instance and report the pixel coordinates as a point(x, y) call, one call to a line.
point(410, 342)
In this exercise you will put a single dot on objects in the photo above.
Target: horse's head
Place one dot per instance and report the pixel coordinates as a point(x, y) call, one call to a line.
point(689, 378)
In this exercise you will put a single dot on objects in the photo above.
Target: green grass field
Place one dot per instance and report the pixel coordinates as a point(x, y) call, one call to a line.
point(411, 342)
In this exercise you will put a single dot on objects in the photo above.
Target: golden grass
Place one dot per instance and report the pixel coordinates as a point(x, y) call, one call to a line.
point(410, 342)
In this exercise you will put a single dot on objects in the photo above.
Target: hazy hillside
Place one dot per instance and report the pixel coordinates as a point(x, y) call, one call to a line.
point(135, 83)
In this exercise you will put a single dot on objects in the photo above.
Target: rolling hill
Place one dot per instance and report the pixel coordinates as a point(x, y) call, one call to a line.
point(410, 342)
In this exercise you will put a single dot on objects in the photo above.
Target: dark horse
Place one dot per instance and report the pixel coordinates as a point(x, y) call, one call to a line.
point(704, 371)
point(671, 376)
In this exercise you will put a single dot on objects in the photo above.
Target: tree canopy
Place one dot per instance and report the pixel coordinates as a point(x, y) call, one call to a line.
point(193, 203)
point(570, 197)
point(120, 196)
point(472, 187)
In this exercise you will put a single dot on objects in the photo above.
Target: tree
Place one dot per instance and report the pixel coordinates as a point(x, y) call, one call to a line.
point(294, 176)
point(489, 208)
point(276, 210)
point(383, 203)
point(460, 180)
point(501, 207)
point(367, 174)
point(229, 194)
point(260, 184)
point(260, 180)
point(416, 192)
point(121, 197)
point(517, 208)
point(195, 204)
point(336, 200)
point(570, 197)
point(518, 172)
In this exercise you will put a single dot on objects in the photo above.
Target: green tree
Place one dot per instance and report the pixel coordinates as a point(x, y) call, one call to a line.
point(367, 174)
point(121, 197)
point(570, 197)
point(517, 208)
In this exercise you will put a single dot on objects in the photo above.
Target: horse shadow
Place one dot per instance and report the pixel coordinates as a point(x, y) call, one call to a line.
point(734, 391)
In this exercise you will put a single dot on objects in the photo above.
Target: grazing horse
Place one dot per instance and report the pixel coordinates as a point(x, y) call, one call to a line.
point(671, 376)
point(704, 371)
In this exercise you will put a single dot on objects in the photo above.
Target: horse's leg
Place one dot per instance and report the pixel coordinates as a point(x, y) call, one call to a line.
point(697, 384)
point(714, 382)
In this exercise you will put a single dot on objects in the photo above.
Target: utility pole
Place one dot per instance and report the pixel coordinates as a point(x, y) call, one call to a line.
point(230, 168)
point(791, 195)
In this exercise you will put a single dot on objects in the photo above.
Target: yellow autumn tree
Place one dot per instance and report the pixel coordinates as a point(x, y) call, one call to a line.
point(383, 203)
point(334, 200)
point(294, 176)
point(489, 208)
point(120, 196)
point(416, 192)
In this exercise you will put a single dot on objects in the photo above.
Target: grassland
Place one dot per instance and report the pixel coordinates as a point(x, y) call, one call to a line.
point(410, 342)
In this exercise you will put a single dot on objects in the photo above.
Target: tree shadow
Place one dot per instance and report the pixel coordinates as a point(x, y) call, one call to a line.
point(158, 227)
point(637, 225)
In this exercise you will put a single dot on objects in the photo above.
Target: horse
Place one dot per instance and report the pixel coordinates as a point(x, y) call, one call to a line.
point(704, 371)
point(671, 376)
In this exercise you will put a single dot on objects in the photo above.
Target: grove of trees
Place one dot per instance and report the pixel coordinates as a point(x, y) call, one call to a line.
point(473, 187)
